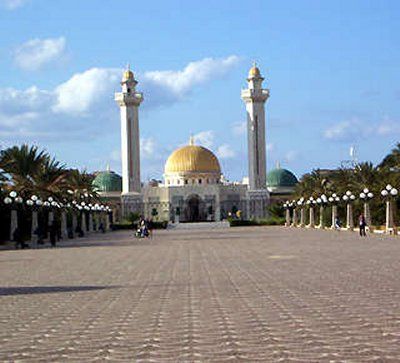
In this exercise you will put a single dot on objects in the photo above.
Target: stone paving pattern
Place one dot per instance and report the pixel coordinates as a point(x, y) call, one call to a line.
point(239, 294)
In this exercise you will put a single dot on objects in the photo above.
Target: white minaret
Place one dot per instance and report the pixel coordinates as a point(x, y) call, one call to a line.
point(254, 97)
point(129, 101)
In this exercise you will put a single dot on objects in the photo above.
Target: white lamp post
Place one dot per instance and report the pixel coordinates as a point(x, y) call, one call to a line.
point(108, 214)
point(13, 200)
point(287, 214)
point(300, 203)
point(366, 196)
point(75, 211)
point(311, 203)
point(90, 212)
point(294, 217)
point(35, 203)
point(349, 198)
point(389, 193)
point(334, 200)
point(322, 201)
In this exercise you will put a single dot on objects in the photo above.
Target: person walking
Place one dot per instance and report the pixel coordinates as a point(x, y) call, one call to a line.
point(337, 224)
point(362, 224)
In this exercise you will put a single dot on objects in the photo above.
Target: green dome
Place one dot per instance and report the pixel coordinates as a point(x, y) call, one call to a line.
point(281, 178)
point(108, 181)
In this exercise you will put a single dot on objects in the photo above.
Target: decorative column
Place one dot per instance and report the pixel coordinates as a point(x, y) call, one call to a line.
point(13, 200)
point(64, 227)
point(74, 222)
point(300, 203)
point(83, 222)
point(91, 221)
point(389, 193)
point(349, 198)
point(334, 200)
point(294, 217)
point(311, 202)
point(287, 213)
point(366, 196)
point(322, 201)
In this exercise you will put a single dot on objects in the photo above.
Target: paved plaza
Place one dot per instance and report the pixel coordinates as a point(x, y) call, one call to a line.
point(241, 294)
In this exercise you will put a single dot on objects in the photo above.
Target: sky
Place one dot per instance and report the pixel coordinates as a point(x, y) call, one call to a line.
point(332, 68)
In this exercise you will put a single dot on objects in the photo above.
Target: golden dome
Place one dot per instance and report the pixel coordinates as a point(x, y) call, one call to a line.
point(192, 159)
point(254, 72)
point(128, 75)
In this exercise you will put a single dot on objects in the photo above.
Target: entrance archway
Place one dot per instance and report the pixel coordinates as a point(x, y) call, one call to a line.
point(194, 208)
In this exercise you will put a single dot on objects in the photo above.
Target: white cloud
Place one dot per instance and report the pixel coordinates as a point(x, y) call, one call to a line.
point(173, 85)
point(83, 90)
point(205, 138)
point(239, 128)
point(291, 156)
point(90, 94)
point(12, 4)
point(225, 151)
point(356, 129)
point(19, 101)
point(388, 127)
point(12, 121)
point(35, 53)
point(338, 131)
point(147, 147)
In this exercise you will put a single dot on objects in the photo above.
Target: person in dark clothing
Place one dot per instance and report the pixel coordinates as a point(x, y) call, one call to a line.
point(362, 224)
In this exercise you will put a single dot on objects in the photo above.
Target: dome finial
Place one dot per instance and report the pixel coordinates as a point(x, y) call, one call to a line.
point(128, 74)
point(108, 167)
point(191, 140)
point(254, 71)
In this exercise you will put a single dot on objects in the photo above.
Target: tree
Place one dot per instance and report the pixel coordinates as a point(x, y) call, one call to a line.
point(392, 160)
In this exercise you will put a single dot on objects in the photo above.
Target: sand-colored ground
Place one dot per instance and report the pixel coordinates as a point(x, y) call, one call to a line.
point(239, 294)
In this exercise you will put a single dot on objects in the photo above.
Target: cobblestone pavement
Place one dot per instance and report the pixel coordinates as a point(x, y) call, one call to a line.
point(240, 294)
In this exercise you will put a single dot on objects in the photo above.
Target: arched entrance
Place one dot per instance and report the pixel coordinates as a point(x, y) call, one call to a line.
point(194, 209)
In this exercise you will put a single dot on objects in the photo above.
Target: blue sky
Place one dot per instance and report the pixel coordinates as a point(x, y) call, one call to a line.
point(332, 69)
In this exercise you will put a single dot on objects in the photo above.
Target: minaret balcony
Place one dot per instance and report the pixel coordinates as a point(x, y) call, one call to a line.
point(129, 99)
point(255, 95)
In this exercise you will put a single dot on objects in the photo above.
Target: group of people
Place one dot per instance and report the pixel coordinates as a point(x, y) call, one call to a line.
point(144, 228)
point(362, 224)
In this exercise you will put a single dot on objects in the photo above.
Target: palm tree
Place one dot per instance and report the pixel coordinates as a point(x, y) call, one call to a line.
point(20, 164)
point(392, 160)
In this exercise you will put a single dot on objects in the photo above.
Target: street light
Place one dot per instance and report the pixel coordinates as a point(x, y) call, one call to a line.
point(366, 196)
point(334, 200)
point(293, 205)
point(287, 214)
point(35, 203)
point(389, 193)
point(13, 200)
point(300, 203)
point(349, 197)
point(322, 201)
point(311, 204)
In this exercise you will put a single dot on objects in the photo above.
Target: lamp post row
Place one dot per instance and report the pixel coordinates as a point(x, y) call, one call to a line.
point(389, 193)
point(98, 214)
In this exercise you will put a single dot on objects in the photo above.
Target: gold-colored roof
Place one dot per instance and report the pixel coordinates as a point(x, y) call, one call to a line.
point(254, 72)
point(128, 75)
point(192, 159)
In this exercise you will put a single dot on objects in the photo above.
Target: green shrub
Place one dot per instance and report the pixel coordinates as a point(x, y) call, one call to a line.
point(273, 221)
